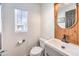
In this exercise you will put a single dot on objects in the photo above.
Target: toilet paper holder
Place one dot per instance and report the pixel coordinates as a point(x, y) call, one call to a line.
point(20, 42)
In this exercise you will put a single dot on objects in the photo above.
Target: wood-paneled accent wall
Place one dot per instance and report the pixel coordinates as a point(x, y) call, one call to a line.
point(73, 33)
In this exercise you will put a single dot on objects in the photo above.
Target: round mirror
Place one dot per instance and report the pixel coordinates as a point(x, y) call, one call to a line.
point(66, 16)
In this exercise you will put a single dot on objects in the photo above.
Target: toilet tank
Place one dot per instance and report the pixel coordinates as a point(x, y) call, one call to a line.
point(42, 44)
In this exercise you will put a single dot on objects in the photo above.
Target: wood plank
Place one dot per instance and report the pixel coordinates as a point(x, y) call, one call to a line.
point(71, 32)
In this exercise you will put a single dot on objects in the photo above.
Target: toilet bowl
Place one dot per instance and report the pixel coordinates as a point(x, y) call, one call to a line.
point(38, 50)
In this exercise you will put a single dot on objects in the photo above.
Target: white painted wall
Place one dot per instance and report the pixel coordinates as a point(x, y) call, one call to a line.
point(47, 20)
point(0, 19)
point(10, 37)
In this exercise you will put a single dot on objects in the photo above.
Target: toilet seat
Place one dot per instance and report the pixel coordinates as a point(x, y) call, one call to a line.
point(36, 51)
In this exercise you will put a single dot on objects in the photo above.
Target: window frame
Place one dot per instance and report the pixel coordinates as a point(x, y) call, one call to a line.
point(16, 19)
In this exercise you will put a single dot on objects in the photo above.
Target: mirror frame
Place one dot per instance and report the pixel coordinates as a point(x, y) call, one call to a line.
point(76, 19)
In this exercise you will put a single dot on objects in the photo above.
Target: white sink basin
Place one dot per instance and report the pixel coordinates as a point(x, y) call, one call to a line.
point(70, 49)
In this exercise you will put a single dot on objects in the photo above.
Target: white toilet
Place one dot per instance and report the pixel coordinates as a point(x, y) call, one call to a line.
point(38, 50)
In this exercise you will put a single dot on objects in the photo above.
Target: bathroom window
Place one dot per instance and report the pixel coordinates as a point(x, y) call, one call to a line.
point(21, 17)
